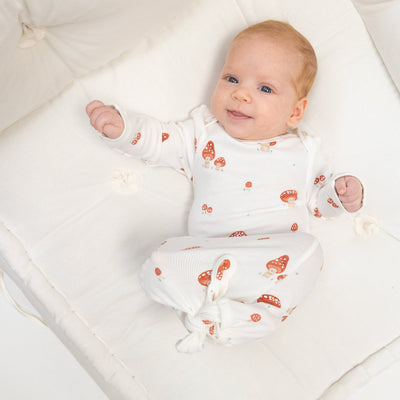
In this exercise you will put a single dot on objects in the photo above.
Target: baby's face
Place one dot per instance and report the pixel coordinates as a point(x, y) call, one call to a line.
point(255, 97)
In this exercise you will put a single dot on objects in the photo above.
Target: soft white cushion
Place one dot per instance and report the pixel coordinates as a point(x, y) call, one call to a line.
point(78, 219)
point(382, 18)
point(45, 45)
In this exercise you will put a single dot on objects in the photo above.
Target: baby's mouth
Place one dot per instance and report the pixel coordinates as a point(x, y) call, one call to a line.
point(237, 115)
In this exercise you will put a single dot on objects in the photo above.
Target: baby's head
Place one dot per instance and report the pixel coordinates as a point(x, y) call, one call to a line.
point(263, 87)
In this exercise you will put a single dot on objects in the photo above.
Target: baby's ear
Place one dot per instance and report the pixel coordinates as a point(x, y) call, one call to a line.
point(298, 112)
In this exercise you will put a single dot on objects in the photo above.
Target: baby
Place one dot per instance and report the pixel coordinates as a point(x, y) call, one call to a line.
point(249, 261)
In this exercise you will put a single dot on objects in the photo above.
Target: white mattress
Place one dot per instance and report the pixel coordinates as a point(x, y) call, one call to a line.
point(77, 219)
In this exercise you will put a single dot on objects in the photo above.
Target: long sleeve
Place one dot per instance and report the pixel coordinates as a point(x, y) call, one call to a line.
point(168, 144)
point(323, 200)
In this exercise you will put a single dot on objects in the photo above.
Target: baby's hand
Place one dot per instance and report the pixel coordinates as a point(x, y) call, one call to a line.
point(106, 119)
point(350, 192)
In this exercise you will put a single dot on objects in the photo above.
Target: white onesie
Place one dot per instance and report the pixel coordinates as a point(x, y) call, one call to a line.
point(248, 261)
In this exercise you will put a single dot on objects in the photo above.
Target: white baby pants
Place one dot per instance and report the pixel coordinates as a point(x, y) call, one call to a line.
point(231, 290)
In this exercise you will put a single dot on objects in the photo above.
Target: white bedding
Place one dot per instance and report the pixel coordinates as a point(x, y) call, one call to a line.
point(78, 220)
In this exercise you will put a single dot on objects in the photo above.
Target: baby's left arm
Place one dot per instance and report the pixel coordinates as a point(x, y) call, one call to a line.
point(350, 192)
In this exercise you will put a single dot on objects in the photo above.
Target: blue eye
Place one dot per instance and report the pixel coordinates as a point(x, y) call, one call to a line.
point(231, 79)
point(266, 89)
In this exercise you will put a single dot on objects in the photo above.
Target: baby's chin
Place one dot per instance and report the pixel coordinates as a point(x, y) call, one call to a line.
point(250, 136)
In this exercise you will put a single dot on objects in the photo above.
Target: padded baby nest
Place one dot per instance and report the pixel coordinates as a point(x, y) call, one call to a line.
point(78, 219)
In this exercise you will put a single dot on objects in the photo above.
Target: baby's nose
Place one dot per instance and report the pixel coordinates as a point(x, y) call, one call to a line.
point(241, 94)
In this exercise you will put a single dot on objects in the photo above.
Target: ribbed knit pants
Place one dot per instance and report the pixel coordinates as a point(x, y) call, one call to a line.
point(232, 290)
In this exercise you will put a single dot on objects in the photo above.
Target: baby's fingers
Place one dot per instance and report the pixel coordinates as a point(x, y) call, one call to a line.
point(340, 185)
point(102, 116)
point(92, 106)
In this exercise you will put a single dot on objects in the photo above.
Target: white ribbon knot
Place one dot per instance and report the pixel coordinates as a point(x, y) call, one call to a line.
point(209, 315)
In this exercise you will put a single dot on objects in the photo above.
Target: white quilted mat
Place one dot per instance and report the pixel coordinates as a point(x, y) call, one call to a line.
point(79, 219)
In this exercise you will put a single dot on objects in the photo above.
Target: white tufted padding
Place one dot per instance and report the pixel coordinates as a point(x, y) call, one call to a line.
point(45, 44)
point(30, 36)
point(87, 240)
point(382, 18)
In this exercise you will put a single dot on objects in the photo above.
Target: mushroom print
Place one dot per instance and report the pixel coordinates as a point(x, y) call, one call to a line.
point(276, 266)
point(226, 264)
point(294, 227)
point(289, 197)
point(255, 317)
point(136, 138)
point(238, 234)
point(165, 136)
point(288, 312)
point(158, 273)
point(317, 213)
point(320, 179)
point(248, 185)
point(206, 209)
point(208, 153)
point(269, 299)
point(332, 203)
point(219, 163)
point(192, 248)
point(205, 278)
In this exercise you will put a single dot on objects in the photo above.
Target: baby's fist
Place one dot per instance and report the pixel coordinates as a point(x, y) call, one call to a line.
point(106, 119)
point(350, 192)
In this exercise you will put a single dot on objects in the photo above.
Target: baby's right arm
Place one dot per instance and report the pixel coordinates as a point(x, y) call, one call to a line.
point(106, 119)
point(169, 144)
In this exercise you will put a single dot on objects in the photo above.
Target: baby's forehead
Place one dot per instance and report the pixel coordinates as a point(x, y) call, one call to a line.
point(265, 48)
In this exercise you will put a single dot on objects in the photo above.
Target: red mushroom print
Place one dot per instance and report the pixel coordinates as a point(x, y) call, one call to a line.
point(136, 138)
point(205, 278)
point(269, 299)
point(317, 213)
point(289, 197)
point(208, 153)
point(248, 185)
point(219, 163)
point(158, 273)
point(280, 277)
point(294, 227)
point(165, 136)
point(276, 266)
point(238, 234)
point(332, 203)
point(204, 207)
point(192, 248)
point(288, 312)
point(316, 181)
point(209, 210)
point(255, 317)
point(225, 264)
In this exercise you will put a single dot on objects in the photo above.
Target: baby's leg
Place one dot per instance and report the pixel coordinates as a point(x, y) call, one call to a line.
point(232, 290)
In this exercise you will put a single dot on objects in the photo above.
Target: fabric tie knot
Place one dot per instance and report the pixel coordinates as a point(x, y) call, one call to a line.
point(207, 320)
